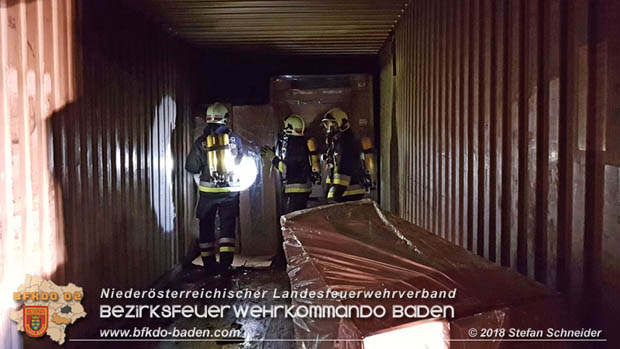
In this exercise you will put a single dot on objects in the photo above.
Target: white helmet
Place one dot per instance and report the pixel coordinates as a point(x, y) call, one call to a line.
point(294, 125)
point(217, 113)
point(335, 120)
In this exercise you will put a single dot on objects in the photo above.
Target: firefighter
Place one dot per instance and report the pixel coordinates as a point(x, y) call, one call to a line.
point(213, 156)
point(297, 161)
point(346, 175)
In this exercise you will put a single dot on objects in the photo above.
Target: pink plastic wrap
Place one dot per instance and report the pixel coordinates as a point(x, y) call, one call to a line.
point(355, 246)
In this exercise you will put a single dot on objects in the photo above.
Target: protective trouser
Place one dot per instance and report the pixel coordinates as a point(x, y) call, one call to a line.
point(292, 203)
point(228, 207)
point(342, 193)
point(295, 202)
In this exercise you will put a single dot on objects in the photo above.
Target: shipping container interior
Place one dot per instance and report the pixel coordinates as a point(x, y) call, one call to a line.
point(496, 126)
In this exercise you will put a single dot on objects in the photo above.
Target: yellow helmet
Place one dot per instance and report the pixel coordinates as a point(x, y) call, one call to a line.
point(217, 113)
point(335, 120)
point(294, 125)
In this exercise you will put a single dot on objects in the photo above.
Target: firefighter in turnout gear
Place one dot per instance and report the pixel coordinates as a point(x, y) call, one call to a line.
point(345, 170)
point(213, 156)
point(297, 161)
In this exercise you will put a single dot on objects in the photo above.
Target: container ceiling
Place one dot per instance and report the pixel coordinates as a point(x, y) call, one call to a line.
point(280, 26)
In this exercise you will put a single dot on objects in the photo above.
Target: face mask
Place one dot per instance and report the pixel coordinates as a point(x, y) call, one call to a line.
point(330, 126)
point(288, 129)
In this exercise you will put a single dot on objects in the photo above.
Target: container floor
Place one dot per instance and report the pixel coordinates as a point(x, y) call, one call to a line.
point(255, 332)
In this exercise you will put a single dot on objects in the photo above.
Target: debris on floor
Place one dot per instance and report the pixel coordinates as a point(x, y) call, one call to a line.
point(260, 262)
point(254, 332)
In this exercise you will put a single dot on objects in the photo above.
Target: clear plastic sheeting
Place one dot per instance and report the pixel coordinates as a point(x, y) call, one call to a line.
point(357, 247)
point(311, 96)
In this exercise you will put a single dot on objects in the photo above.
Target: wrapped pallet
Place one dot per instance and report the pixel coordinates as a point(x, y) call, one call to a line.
point(370, 258)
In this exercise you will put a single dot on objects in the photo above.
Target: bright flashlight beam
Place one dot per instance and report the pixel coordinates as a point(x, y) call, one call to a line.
point(246, 170)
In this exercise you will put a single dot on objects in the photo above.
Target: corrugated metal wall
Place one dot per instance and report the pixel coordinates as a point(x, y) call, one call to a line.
point(506, 124)
point(279, 27)
point(94, 128)
point(388, 141)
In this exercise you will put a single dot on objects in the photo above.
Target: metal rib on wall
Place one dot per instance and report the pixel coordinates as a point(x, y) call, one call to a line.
point(94, 129)
point(506, 123)
point(305, 27)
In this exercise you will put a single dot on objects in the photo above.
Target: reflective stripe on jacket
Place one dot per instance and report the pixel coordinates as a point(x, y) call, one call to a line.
point(210, 187)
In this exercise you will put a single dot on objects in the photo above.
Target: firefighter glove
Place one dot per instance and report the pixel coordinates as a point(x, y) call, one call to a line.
point(268, 153)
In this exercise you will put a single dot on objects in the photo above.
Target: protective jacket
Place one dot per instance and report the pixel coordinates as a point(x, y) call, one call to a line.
point(346, 172)
point(293, 161)
point(198, 160)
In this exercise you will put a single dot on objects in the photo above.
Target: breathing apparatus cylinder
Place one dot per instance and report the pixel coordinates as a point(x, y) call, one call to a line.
point(219, 156)
point(369, 160)
point(314, 155)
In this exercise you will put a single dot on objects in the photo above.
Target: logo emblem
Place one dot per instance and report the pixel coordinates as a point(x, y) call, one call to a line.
point(35, 320)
